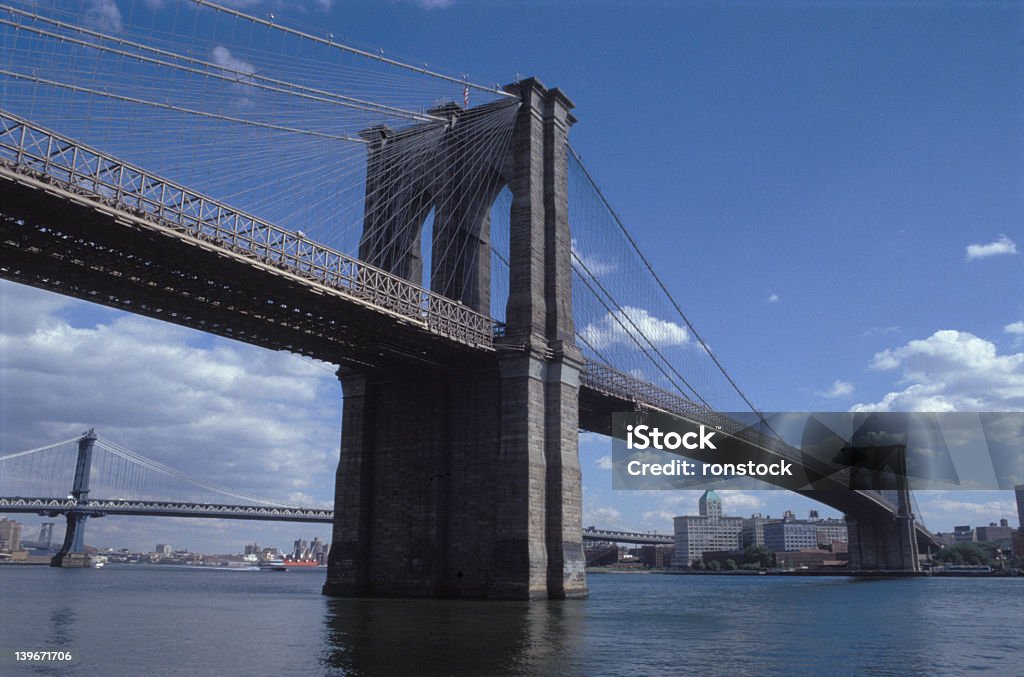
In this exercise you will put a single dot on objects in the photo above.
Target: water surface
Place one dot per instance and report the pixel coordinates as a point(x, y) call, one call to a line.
point(162, 620)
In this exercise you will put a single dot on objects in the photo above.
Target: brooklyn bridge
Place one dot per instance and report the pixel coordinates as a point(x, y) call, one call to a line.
point(438, 239)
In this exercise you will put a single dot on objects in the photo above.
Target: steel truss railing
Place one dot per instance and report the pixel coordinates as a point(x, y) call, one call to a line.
point(34, 151)
point(57, 506)
point(645, 395)
point(184, 509)
point(627, 537)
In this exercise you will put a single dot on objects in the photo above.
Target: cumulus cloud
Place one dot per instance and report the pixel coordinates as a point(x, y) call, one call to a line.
point(617, 328)
point(605, 462)
point(604, 517)
point(882, 331)
point(1003, 245)
point(223, 57)
point(839, 389)
point(257, 421)
point(280, 5)
point(734, 501)
point(1016, 329)
point(591, 264)
point(943, 506)
point(774, 298)
point(658, 519)
point(103, 15)
point(951, 371)
point(434, 4)
point(673, 504)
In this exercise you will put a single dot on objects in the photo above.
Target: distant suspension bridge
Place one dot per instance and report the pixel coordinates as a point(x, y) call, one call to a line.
point(90, 476)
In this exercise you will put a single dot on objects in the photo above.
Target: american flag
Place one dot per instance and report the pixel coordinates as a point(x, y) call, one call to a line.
point(465, 96)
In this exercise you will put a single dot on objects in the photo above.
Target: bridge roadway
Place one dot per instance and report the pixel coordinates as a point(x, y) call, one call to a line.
point(79, 222)
point(52, 507)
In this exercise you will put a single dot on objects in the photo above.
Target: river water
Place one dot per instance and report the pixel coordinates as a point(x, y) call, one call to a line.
point(163, 620)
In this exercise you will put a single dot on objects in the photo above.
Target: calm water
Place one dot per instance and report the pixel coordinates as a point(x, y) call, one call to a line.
point(135, 620)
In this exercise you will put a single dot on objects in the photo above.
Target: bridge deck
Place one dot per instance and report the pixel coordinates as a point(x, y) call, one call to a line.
point(61, 506)
point(82, 223)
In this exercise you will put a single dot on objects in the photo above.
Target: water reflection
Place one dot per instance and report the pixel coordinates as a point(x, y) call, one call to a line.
point(62, 626)
point(445, 637)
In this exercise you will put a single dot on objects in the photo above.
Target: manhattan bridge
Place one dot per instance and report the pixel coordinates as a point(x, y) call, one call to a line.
point(438, 239)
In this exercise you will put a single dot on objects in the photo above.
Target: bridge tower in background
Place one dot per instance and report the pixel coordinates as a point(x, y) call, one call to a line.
point(464, 480)
point(72, 551)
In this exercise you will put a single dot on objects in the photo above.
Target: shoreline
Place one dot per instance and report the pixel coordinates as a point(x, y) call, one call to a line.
point(809, 572)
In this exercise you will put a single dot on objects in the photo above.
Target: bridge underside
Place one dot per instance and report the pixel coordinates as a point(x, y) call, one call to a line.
point(55, 240)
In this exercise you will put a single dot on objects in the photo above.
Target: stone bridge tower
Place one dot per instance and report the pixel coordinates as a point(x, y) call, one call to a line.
point(464, 480)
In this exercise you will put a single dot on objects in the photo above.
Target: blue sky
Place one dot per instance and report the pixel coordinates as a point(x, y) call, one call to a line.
point(833, 191)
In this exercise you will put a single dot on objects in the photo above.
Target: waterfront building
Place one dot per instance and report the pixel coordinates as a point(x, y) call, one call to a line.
point(831, 530)
point(753, 529)
point(964, 534)
point(1019, 491)
point(656, 556)
point(993, 533)
point(808, 559)
point(318, 550)
point(10, 535)
point(163, 549)
point(710, 530)
point(790, 535)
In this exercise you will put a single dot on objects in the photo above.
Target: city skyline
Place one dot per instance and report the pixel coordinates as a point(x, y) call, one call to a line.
point(805, 212)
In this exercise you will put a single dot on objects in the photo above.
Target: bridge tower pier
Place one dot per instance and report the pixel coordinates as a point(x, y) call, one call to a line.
point(885, 542)
point(464, 481)
point(72, 551)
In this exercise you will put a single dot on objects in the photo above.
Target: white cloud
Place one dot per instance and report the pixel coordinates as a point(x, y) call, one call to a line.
point(103, 15)
point(733, 501)
point(281, 5)
point(1003, 245)
point(658, 519)
point(951, 371)
point(257, 421)
point(617, 328)
point(989, 509)
point(882, 331)
point(605, 517)
point(839, 389)
point(591, 264)
point(1016, 329)
point(222, 56)
point(435, 4)
point(774, 298)
point(605, 462)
